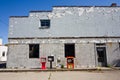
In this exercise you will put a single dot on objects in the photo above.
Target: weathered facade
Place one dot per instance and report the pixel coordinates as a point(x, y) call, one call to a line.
point(89, 34)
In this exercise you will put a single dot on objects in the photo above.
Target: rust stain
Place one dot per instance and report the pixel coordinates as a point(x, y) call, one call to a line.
point(110, 43)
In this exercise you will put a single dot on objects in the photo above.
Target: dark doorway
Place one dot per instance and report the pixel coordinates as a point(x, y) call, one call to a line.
point(69, 50)
point(101, 53)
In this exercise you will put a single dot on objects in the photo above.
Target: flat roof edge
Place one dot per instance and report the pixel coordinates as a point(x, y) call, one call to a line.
point(85, 6)
point(59, 37)
point(18, 16)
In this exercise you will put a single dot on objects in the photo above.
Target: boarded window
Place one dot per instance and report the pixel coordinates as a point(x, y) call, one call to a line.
point(34, 51)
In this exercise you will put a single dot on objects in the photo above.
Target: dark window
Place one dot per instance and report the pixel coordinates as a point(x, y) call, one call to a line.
point(45, 24)
point(34, 51)
point(3, 54)
point(69, 50)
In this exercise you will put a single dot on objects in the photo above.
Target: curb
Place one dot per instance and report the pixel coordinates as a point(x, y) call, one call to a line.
point(56, 70)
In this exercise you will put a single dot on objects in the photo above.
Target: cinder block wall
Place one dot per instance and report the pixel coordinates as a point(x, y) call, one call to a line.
point(54, 49)
point(85, 52)
point(113, 54)
point(85, 55)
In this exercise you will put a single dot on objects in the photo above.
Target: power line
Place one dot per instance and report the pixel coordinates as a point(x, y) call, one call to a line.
point(3, 22)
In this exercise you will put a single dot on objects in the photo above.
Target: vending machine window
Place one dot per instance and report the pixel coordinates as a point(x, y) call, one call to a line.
point(70, 62)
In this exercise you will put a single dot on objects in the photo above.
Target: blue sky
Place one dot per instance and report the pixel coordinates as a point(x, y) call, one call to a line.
point(22, 7)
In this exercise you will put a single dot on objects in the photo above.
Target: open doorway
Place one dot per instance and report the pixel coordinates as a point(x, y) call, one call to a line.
point(101, 56)
point(69, 50)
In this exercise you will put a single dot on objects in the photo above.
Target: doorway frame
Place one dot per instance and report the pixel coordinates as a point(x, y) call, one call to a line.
point(100, 45)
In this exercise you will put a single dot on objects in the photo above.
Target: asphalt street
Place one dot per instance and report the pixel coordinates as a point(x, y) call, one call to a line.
point(62, 75)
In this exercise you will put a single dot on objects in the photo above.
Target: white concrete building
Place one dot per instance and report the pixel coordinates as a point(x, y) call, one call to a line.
point(88, 34)
point(0, 41)
point(3, 52)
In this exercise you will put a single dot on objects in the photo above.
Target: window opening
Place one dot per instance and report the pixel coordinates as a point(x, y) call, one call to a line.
point(69, 50)
point(34, 51)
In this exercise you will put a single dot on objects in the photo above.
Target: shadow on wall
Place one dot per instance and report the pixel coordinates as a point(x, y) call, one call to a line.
point(116, 63)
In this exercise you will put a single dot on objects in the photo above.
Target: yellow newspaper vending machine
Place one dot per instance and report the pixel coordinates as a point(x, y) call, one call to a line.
point(70, 62)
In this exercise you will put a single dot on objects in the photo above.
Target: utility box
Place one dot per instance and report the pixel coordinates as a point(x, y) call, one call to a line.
point(43, 62)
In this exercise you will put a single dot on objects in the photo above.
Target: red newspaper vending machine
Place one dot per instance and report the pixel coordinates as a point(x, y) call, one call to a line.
point(43, 62)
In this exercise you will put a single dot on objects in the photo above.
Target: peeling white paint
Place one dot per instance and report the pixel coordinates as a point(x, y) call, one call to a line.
point(109, 41)
point(28, 42)
point(109, 11)
point(55, 15)
point(69, 12)
point(80, 11)
point(95, 41)
point(60, 8)
point(43, 41)
point(31, 15)
point(114, 40)
point(103, 41)
point(73, 41)
point(49, 40)
point(58, 15)
point(97, 8)
point(83, 41)
point(62, 14)
point(90, 10)
point(50, 15)
point(14, 41)
point(63, 41)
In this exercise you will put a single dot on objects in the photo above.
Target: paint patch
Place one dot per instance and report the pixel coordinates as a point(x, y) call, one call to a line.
point(110, 43)
point(80, 11)
point(90, 10)
point(69, 12)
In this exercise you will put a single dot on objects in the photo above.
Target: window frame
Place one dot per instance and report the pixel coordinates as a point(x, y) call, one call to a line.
point(3, 54)
point(44, 24)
